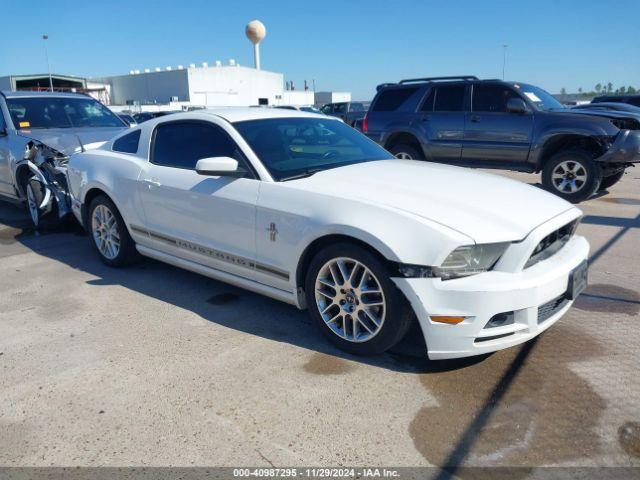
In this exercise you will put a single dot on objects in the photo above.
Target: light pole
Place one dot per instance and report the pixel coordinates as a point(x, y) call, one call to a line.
point(504, 58)
point(46, 54)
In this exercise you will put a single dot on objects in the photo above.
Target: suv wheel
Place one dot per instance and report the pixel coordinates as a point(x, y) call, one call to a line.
point(109, 233)
point(572, 175)
point(611, 180)
point(406, 152)
point(354, 302)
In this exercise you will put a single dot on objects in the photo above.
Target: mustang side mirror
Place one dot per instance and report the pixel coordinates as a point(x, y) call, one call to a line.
point(219, 167)
point(516, 105)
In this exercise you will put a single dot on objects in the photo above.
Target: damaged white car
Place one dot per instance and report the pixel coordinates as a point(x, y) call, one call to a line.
point(302, 208)
point(38, 133)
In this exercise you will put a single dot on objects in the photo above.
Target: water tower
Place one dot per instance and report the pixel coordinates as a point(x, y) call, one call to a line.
point(255, 32)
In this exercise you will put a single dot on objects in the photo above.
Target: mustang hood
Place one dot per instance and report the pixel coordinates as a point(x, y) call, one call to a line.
point(488, 208)
point(68, 140)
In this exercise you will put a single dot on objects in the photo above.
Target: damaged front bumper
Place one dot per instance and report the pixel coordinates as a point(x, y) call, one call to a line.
point(49, 168)
point(625, 149)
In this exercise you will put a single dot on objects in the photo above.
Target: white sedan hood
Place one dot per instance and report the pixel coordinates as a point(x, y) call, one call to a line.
point(488, 208)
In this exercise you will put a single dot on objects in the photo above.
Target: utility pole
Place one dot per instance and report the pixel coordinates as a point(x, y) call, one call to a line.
point(46, 54)
point(504, 58)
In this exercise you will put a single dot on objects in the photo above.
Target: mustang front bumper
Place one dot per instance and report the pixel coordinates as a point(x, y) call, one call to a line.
point(536, 296)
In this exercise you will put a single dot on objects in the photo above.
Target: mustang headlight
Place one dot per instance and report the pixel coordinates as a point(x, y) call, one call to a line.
point(470, 260)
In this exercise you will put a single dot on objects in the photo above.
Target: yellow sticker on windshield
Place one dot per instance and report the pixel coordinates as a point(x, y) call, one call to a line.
point(24, 124)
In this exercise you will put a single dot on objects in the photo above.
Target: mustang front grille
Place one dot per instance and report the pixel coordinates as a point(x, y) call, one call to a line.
point(553, 242)
point(549, 309)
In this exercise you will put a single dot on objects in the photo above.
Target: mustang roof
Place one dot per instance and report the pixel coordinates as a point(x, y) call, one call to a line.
point(239, 114)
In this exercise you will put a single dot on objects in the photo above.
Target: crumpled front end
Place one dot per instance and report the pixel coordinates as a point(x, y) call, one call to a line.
point(625, 148)
point(49, 168)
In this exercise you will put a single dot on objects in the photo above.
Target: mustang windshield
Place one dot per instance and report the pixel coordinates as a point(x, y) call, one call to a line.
point(296, 147)
point(60, 112)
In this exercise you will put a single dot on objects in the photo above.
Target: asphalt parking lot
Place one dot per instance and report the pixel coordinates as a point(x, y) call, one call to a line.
point(153, 365)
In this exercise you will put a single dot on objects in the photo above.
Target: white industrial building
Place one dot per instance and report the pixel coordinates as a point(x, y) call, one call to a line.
point(174, 88)
point(228, 85)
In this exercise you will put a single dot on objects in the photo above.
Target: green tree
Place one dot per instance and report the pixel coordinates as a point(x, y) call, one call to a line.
point(598, 87)
point(622, 90)
point(609, 87)
point(631, 90)
point(563, 91)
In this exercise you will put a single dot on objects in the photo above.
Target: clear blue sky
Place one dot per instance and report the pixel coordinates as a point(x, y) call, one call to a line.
point(344, 45)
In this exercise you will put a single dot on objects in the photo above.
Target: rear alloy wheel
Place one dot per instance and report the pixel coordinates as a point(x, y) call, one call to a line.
point(611, 180)
point(406, 152)
point(354, 302)
point(572, 175)
point(109, 233)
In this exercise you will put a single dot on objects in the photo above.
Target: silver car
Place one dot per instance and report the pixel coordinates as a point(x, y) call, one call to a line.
point(38, 133)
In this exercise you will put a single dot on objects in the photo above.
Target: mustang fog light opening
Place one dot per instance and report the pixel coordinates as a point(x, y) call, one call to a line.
point(500, 320)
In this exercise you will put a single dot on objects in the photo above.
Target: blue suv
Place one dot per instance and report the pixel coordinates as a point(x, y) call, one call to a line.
point(509, 125)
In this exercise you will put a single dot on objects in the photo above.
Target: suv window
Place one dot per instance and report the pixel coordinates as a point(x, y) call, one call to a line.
point(127, 143)
point(392, 98)
point(445, 98)
point(491, 98)
point(357, 107)
point(182, 144)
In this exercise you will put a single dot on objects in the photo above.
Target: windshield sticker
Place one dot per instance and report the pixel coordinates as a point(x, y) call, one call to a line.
point(24, 124)
point(533, 97)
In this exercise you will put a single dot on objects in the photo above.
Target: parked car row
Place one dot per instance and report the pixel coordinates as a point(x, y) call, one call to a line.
point(301, 207)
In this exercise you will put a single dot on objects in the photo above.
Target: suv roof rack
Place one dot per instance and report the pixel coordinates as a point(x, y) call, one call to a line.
point(432, 79)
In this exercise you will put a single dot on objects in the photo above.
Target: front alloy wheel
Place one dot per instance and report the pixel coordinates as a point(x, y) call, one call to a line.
point(350, 299)
point(353, 300)
point(572, 174)
point(569, 176)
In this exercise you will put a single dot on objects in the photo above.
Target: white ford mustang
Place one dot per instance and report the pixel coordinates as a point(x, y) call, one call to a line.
point(304, 209)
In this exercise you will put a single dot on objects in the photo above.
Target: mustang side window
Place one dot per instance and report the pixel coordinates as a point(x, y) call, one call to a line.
point(128, 143)
point(181, 144)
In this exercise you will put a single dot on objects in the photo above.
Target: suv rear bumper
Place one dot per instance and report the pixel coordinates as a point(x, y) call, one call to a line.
point(625, 148)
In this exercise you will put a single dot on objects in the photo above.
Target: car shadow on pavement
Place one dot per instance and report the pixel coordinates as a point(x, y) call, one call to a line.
point(212, 300)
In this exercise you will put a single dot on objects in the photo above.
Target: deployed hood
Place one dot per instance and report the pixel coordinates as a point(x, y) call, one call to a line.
point(488, 208)
point(68, 140)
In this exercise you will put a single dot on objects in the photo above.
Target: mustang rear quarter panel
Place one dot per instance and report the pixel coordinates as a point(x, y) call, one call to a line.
point(116, 174)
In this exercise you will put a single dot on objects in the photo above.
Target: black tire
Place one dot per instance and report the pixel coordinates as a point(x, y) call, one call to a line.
point(611, 180)
point(35, 192)
point(395, 319)
point(584, 164)
point(126, 253)
point(407, 151)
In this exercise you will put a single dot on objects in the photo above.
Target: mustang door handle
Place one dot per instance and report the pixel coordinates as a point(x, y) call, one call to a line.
point(152, 182)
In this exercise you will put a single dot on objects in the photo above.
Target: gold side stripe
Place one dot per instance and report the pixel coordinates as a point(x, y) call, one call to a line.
point(212, 253)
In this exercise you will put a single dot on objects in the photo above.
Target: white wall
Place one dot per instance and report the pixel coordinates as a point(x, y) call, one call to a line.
point(233, 86)
point(153, 87)
point(331, 97)
point(299, 98)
